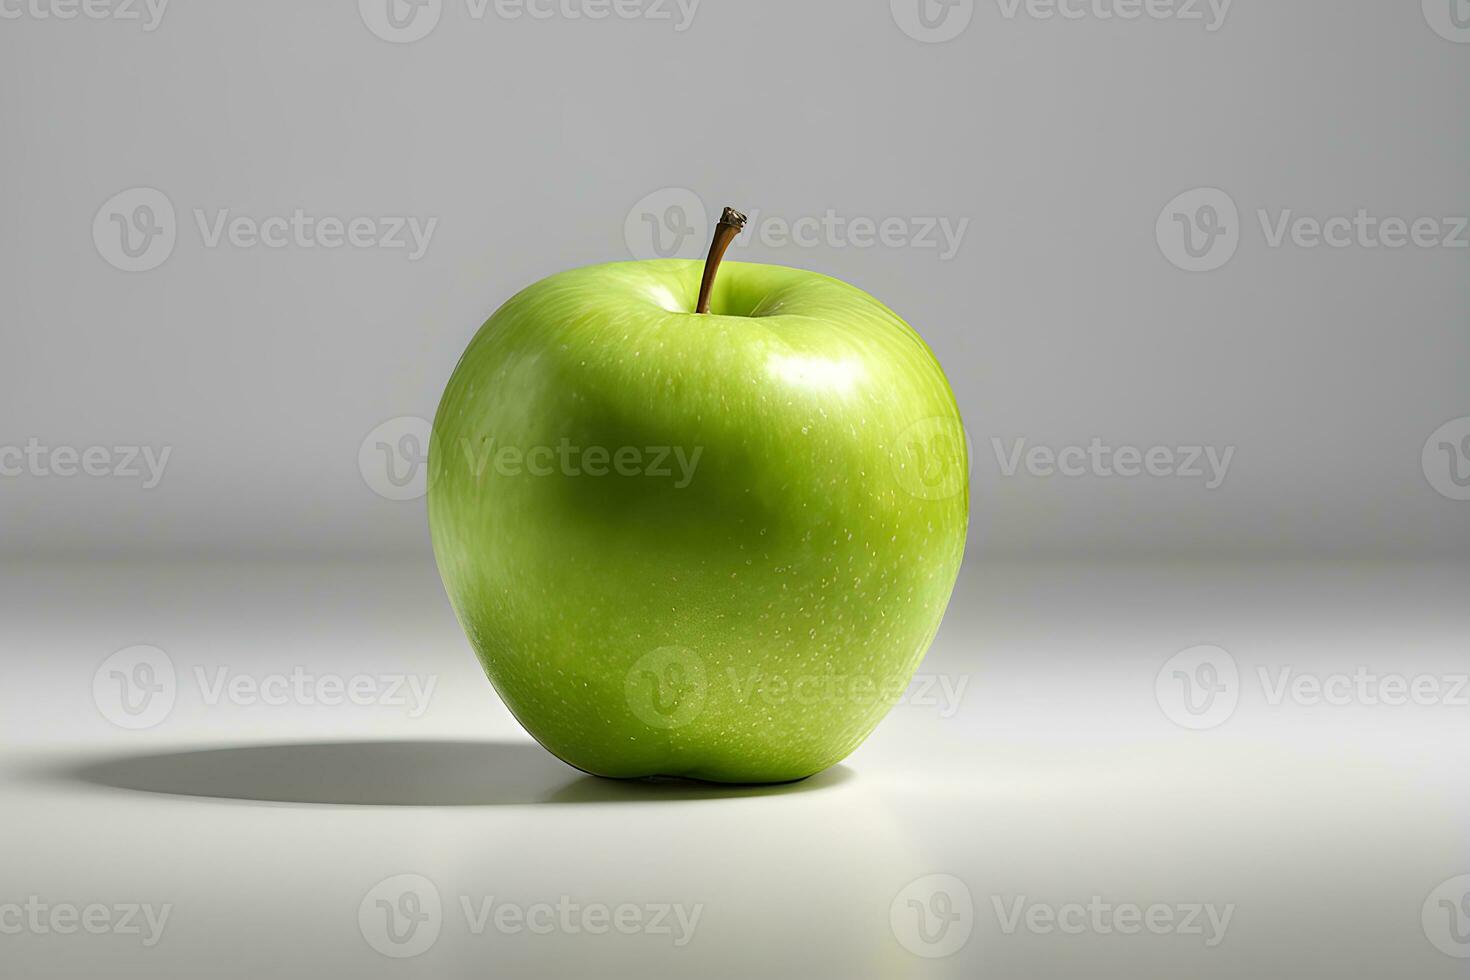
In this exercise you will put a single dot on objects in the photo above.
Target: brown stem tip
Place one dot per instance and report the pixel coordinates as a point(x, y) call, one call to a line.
point(725, 232)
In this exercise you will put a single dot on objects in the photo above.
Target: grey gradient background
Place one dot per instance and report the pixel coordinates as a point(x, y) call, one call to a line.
point(1058, 320)
point(538, 145)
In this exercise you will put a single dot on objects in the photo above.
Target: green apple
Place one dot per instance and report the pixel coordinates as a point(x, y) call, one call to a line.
point(710, 545)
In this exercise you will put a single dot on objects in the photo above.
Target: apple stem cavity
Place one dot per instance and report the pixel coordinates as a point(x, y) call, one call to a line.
point(725, 232)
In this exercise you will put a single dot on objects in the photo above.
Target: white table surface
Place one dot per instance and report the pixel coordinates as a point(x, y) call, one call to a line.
point(1055, 777)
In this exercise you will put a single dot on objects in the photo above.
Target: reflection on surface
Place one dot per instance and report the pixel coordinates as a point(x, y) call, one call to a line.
point(407, 773)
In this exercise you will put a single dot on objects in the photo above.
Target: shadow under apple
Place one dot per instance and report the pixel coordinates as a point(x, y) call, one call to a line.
point(408, 773)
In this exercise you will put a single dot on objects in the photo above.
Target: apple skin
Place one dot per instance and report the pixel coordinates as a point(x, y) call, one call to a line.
point(748, 618)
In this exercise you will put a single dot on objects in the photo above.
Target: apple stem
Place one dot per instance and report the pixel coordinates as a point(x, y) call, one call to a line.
point(725, 232)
